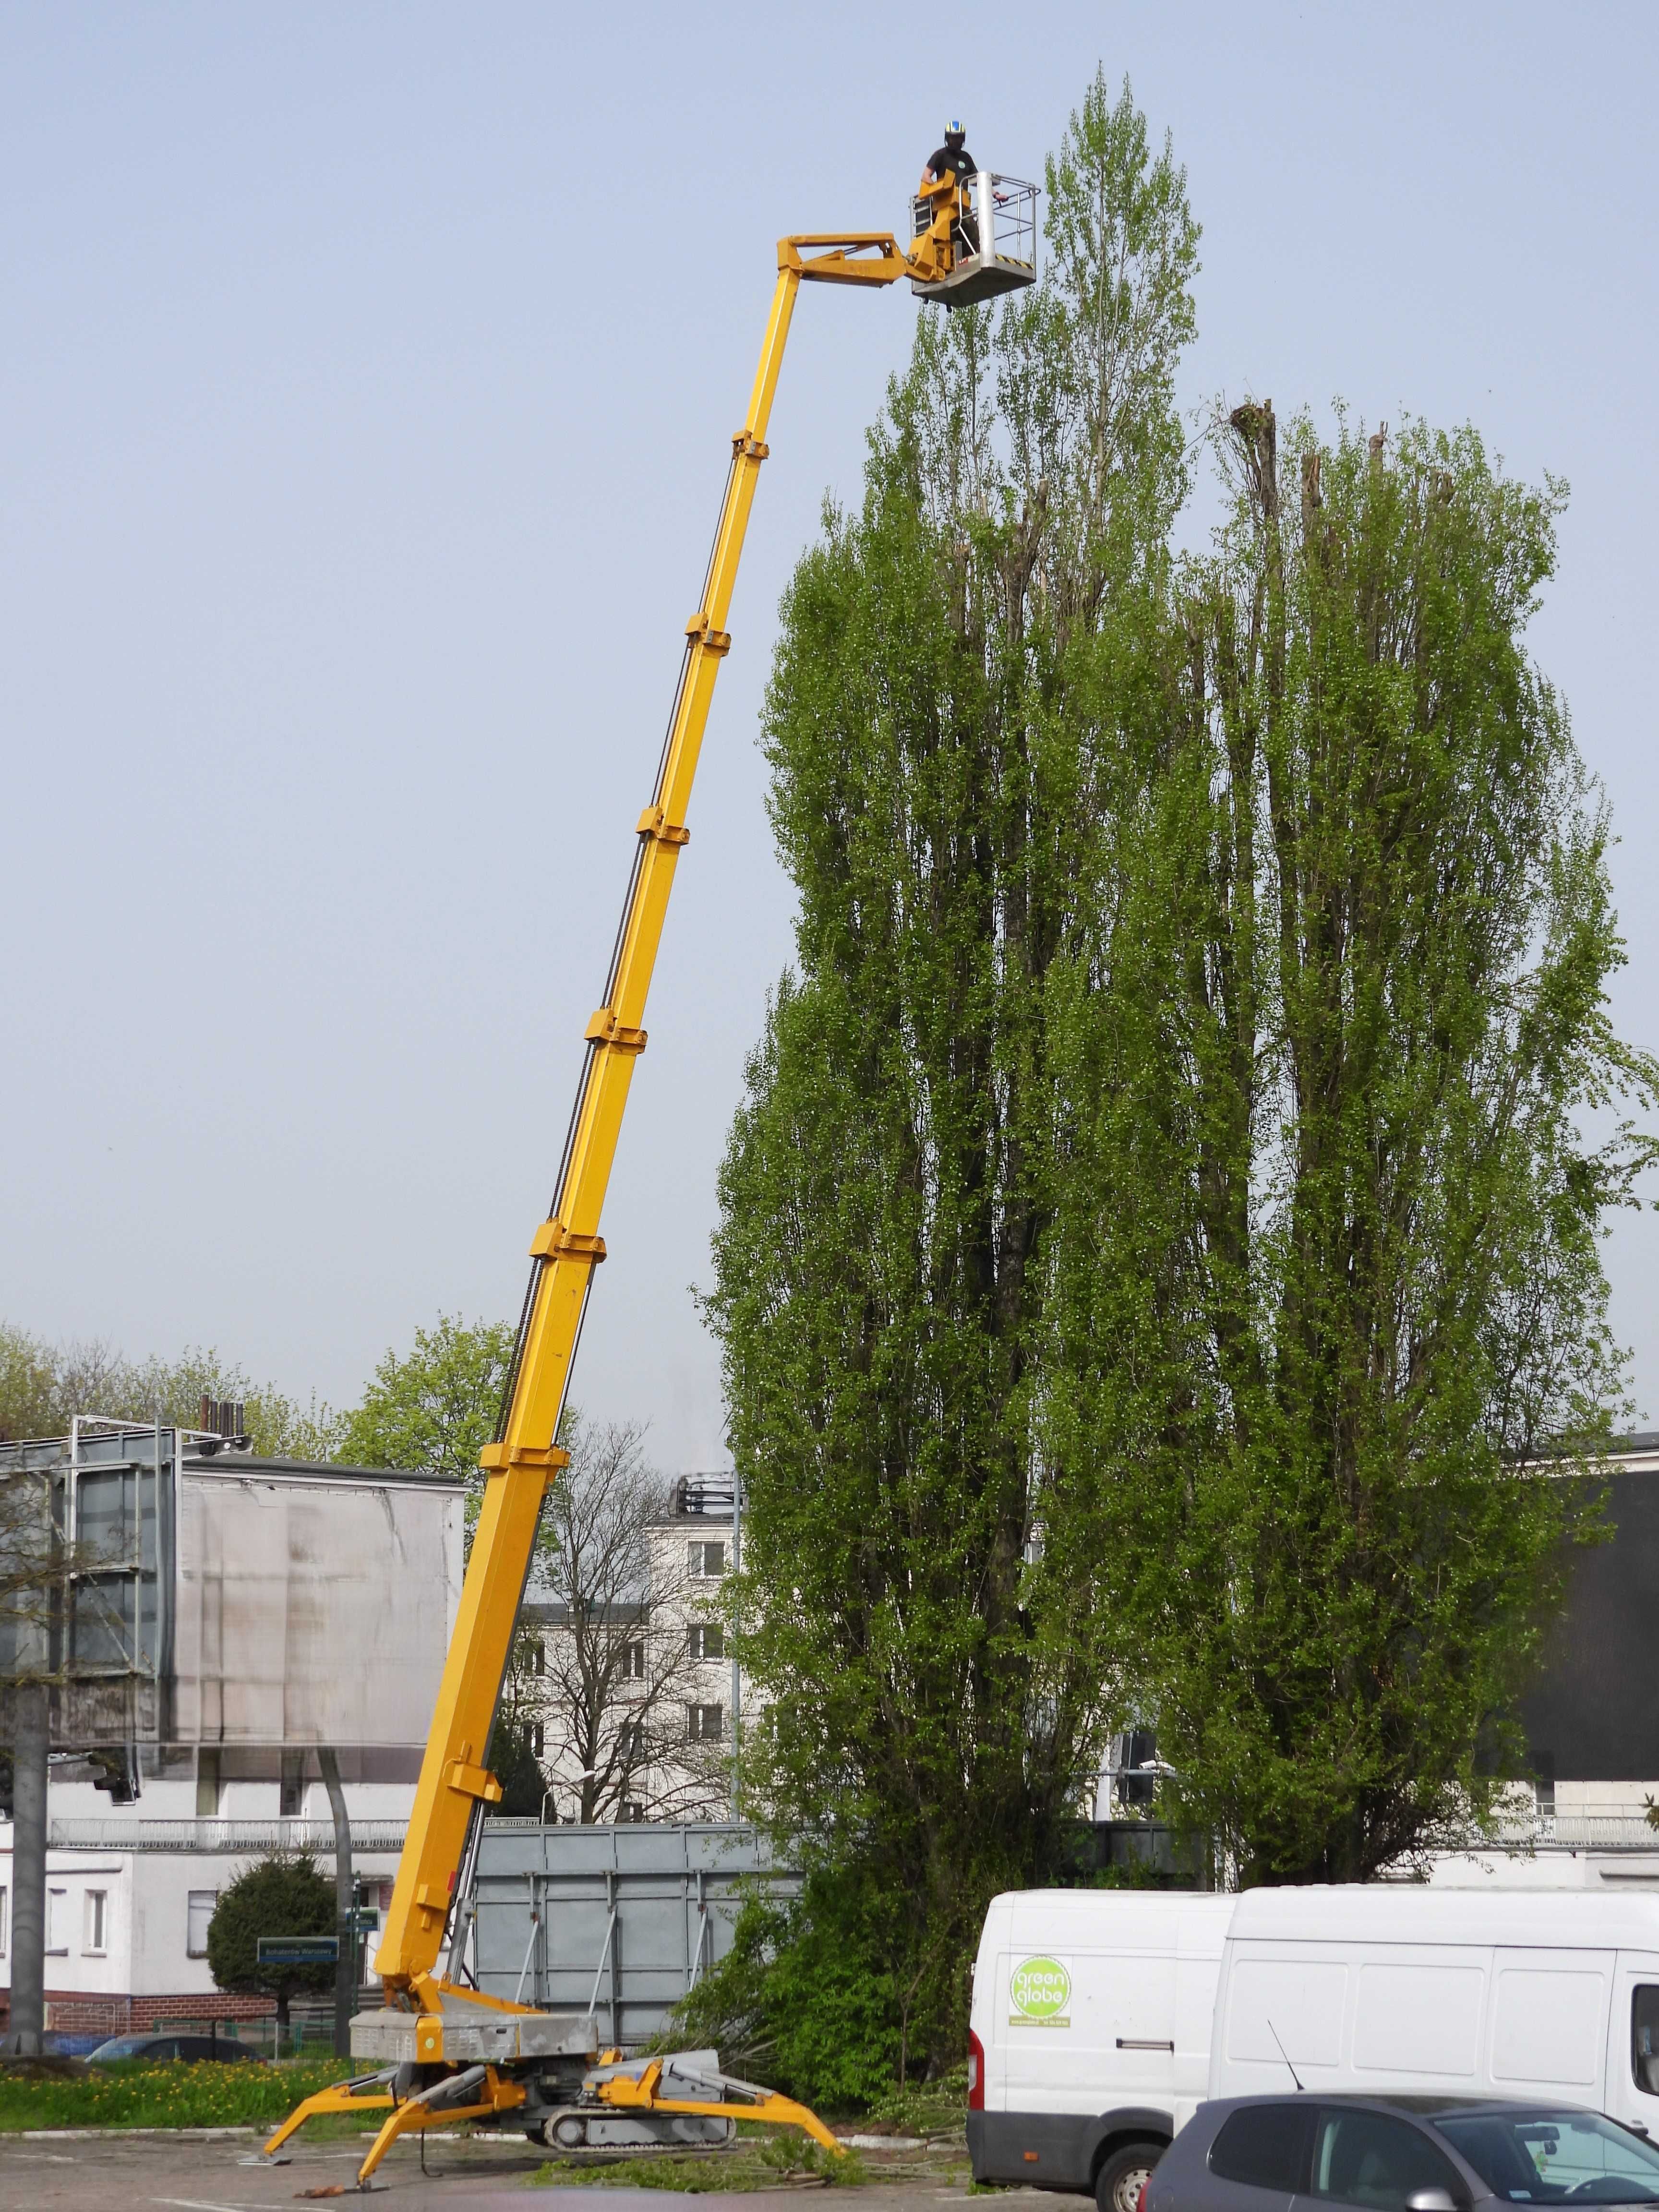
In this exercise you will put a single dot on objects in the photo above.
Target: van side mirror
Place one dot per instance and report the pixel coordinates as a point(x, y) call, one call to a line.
point(1433, 2200)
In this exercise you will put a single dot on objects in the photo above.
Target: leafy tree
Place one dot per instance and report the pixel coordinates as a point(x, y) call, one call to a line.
point(435, 1408)
point(928, 1628)
point(1156, 1246)
point(43, 1386)
point(794, 2004)
point(1327, 1288)
point(281, 1895)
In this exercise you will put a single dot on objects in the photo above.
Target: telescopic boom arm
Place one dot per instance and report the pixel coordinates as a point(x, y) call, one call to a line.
point(567, 1247)
point(442, 2051)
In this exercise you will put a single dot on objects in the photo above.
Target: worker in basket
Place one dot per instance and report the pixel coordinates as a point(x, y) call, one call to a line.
point(953, 159)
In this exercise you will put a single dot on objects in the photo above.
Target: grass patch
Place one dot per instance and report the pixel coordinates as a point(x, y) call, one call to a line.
point(128, 2094)
point(760, 2162)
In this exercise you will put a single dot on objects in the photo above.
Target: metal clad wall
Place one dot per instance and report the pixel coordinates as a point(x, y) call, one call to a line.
point(1593, 1712)
point(640, 1911)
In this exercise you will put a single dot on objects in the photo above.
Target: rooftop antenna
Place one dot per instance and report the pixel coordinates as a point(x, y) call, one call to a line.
point(1285, 2055)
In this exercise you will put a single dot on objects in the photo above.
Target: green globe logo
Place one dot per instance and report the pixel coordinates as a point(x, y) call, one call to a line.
point(1039, 1988)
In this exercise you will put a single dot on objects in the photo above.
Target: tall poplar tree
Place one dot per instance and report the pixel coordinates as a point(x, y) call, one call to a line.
point(880, 1272)
point(1329, 1317)
point(1157, 1271)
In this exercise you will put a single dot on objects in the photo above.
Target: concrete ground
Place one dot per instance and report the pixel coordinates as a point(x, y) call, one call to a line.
point(181, 2173)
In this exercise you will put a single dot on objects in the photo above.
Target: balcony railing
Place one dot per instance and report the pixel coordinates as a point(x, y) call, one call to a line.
point(1578, 1831)
point(113, 1834)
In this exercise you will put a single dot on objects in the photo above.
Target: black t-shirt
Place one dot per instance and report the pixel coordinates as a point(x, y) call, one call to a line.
point(960, 164)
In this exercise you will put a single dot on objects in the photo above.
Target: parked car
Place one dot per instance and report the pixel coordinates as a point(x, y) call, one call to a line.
point(1404, 2154)
point(1100, 2018)
point(156, 2048)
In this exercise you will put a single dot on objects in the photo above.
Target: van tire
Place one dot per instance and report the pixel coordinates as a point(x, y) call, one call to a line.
point(1122, 2175)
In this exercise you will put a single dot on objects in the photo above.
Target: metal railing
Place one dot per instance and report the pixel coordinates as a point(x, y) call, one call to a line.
point(1004, 214)
point(1579, 1831)
point(214, 1835)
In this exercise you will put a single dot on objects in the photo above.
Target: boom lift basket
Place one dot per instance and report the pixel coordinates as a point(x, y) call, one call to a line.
point(995, 245)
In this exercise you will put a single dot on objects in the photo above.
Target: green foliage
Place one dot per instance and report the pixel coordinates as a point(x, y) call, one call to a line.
point(881, 1271)
point(515, 1766)
point(43, 1386)
point(130, 2094)
point(803, 2000)
point(434, 1408)
point(281, 1895)
point(1327, 1285)
point(1157, 1246)
point(932, 2108)
point(760, 2162)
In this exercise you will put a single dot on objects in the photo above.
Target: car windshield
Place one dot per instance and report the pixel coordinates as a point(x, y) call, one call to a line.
point(120, 2047)
point(1530, 2157)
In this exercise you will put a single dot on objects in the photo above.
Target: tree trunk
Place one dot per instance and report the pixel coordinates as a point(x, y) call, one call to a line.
point(345, 1967)
point(28, 1909)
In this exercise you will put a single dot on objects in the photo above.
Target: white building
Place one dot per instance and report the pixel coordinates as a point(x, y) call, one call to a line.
point(645, 1690)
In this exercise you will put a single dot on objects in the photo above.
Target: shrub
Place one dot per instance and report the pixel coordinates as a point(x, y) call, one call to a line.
point(282, 1894)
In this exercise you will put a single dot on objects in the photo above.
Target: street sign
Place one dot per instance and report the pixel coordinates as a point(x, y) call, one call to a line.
point(298, 1950)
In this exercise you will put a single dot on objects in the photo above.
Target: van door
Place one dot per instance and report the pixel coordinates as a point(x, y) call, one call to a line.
point(1549, 2022)
point(1080, 2031)
point(1632, 2076)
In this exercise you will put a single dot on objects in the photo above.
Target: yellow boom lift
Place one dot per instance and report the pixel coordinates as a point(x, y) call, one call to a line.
point(443, 2052)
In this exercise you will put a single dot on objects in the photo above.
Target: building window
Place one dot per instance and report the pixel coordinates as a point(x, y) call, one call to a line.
point(630, 1740)
point(633, 1660)
point(57, 1924)
point(703, 1722)
point(537, 1656)
point(96, 1923)
point(536, 1739)
point(291, 1791)
point(207, 1786)
point(4, 1900)
point(633, 1812)
point(1544, 1787)
point(708, 1640)
point(198, 1913)
point(704, 1560)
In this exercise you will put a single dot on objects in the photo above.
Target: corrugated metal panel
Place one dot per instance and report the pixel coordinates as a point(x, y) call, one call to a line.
point(620, 1920)
point(1593, 1712)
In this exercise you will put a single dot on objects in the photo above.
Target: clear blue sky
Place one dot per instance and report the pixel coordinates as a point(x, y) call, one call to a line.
point(365, 390)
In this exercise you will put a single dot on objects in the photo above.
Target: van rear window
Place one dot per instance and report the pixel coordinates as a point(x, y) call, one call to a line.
point(1265, 2146)
point(1645, 2036)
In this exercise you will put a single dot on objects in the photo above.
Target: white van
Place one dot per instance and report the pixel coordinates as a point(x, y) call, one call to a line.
point(1101, 2018)
point(1533, 1994)
point(1090, 2024)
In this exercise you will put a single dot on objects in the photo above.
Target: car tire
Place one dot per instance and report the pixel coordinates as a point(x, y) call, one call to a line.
point(1123, 2174)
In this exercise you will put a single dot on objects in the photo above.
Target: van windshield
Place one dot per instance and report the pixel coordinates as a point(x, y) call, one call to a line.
point(1533, 2157)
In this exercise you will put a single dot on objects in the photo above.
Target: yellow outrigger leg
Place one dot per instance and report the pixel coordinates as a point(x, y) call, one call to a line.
point(475, 2094)
point(634, 2089)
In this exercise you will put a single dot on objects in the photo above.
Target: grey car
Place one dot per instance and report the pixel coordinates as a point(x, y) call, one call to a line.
point(155, 2049)
point(1406, 2154)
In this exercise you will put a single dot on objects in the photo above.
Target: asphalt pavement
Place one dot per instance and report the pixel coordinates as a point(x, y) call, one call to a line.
point(178, 2173)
